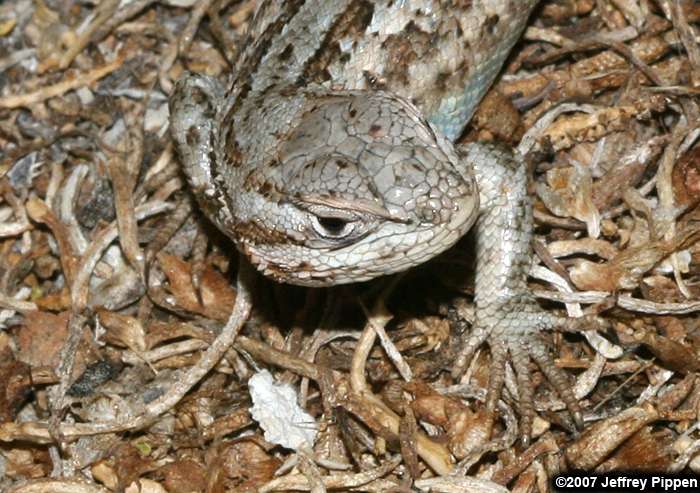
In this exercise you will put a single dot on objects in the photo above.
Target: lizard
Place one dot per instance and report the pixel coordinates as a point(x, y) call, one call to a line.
point(330, 158)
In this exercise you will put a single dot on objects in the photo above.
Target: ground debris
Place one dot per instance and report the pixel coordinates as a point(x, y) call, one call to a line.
point(114, 288)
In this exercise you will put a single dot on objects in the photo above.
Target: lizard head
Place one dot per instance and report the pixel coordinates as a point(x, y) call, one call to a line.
point(358, 186)
point(325, 187)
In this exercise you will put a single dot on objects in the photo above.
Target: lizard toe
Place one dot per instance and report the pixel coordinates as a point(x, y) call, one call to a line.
point(557, 378)
point(519, 340)
point(520, 359)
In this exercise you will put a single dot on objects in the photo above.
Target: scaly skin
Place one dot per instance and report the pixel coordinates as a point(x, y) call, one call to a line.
point(315, 162)
point(507, 315)
point(330, 158)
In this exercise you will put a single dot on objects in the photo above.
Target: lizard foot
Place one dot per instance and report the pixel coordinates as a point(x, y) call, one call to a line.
point(507, 316)
point(513, 331)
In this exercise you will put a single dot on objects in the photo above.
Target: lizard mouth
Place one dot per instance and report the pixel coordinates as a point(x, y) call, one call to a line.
point(391, 248)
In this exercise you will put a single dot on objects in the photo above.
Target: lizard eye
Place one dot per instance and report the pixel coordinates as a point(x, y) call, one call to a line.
point(332, 227)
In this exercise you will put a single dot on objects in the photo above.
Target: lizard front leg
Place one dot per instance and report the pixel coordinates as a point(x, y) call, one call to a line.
point(507, 316)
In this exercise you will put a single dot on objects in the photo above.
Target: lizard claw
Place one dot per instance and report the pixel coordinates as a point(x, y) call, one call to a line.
point(514, 334)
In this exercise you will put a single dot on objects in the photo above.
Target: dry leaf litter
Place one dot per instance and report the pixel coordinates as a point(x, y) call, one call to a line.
point(114, 288)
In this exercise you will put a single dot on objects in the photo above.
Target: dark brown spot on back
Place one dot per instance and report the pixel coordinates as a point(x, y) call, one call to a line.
point(199, 97)
point(265, 189)
point(286, 53)
point(350, 24)
point(403, 49)
point(234, 156)
point(192, 136)
point(490, 24)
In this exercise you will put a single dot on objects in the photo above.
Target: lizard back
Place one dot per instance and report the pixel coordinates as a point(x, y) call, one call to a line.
point(440, 55)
